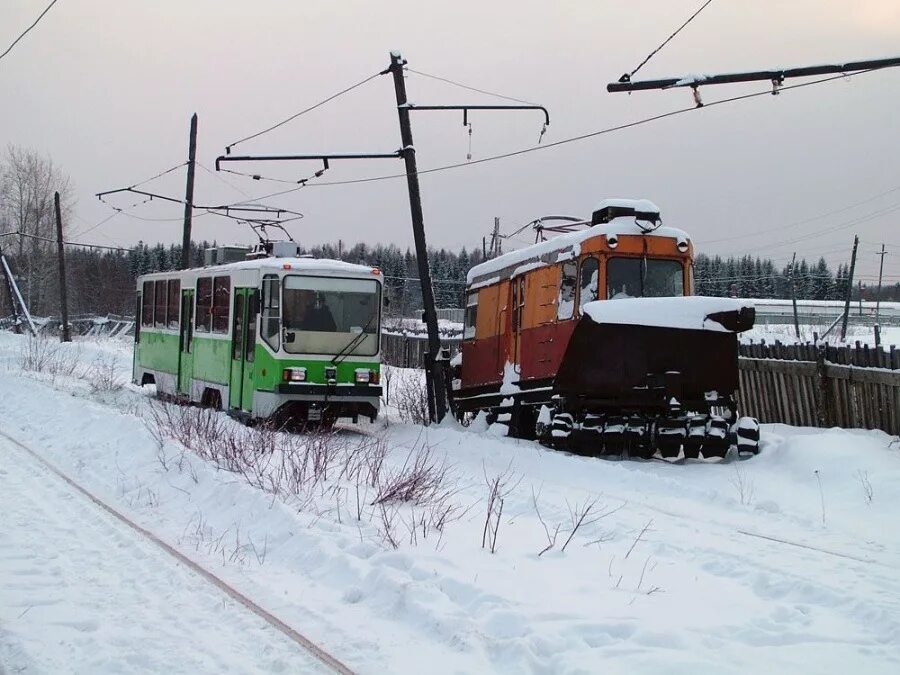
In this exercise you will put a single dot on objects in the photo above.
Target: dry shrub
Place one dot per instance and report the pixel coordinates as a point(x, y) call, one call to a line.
point(103, 375)
point(42, 355)
point(409, 396)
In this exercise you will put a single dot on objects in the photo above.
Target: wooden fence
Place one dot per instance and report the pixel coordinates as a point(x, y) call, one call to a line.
point(821, 386)
point(408, 351)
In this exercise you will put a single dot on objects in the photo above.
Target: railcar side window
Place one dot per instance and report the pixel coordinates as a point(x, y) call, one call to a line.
point(470, 316)
point(221, 298)
point(203, 323)
point(590, 277)
point(271, 312)
point(159, 311)
point(147, 304)
point(172, 307)
point(565, 306)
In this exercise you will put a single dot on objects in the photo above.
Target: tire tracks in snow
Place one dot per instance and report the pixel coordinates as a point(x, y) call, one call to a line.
point(305, 643)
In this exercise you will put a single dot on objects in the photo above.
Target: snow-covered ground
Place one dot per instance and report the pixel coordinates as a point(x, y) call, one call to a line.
point(786, 333)
point(787, 562)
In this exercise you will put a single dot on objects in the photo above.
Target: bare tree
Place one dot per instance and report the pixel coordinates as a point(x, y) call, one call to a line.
point(27, 183)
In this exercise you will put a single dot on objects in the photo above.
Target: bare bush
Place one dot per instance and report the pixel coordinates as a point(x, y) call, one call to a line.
point(103, 376)
point(868, 492)
point(42, 355)
point(421, 479)
point(410, 397)
point(743, 485)
point(499, 487)
point(640, 536)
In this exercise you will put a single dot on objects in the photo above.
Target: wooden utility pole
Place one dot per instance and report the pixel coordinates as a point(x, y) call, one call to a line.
point(878, 298)
point(14, 312)
point(849, 289)
point(794, 294)
point(434, 372)
point(64, 335)
point(189, 197)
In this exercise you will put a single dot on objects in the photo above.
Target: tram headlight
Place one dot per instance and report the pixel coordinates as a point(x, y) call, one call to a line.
point(612, 240)
point(294, 375)
point(363, 375)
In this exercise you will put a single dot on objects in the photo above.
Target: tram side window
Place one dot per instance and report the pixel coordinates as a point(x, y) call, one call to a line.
point(590, 273)
point(271, 313)
point(147, 304)
point(173, 304)
point(565, 306)
point(203, 324)
point(471, 316)
point(221, 298)
point(159, 311)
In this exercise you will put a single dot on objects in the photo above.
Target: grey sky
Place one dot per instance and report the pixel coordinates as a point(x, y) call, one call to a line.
point(107, 87)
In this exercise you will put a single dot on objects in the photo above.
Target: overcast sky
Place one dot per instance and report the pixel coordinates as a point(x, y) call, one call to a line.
point(107, 88)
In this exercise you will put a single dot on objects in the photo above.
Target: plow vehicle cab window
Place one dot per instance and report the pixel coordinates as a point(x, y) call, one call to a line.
point(324, 315)
point(565, 305)
point(643, 278)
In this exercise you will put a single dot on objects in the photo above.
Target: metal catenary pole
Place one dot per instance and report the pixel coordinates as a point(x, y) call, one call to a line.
point(189, 196)
point(14, 312)
point(64, 335)
point(849, 289)
point(434, 373)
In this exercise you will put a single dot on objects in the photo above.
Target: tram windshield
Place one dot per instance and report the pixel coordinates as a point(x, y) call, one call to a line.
point(643, 278)
point(324, 315)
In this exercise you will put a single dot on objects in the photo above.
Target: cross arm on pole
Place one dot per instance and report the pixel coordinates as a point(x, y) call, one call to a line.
point(775, 76)
point(467, 108)
point(325, 158)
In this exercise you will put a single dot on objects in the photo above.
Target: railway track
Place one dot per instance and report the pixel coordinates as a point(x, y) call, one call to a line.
point(330, 662)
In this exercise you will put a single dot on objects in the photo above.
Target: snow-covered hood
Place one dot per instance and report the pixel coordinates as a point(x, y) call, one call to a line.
point(725, 315)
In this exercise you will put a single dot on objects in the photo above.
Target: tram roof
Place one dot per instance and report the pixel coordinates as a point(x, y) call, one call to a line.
point(505, 264)
point(275, 265)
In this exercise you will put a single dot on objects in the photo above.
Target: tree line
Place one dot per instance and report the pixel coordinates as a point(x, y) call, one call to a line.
point(103, 281)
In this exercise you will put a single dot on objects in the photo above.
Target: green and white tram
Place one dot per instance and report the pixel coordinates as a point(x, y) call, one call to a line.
point(296, 340)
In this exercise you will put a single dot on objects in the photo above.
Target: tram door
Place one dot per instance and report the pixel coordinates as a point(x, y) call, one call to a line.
point(243, 348)
point(185, 340)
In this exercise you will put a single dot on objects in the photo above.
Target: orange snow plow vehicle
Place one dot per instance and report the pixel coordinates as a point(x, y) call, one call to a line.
point(591, 341)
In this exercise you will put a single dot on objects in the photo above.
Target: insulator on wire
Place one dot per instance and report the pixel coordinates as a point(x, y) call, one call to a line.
point(698, 101)
point(469, 153)
point(543, 131)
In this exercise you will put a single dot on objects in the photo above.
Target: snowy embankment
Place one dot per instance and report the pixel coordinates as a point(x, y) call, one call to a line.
point(787, 562)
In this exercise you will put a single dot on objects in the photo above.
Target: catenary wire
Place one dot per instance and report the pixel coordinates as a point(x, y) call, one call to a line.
point(666, 41)
point(303, 112)
point(573, 139)
point(465, 86)
point(27, 30)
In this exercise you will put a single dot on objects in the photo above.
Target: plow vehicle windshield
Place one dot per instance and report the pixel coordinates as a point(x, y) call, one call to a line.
point(322, 315)
point(644, 278)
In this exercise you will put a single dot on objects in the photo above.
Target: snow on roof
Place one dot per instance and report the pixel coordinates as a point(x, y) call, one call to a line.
point(546, 251)
point(641, 205)
point(270, 263)
point(681, 312)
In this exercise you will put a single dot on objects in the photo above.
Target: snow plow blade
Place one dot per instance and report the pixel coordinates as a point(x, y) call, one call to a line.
point(654, 377)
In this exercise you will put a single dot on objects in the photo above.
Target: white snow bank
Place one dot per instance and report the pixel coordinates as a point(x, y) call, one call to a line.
point(740, 567)
point(688, 312)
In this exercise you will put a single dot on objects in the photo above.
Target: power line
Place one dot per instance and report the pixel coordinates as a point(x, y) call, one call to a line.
point(802, 222)
point(465, 86)
point(160, 174)
point(70, 243)
point(303, 112)
point(27, 30)
point(573, 139)
point(627, 76)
